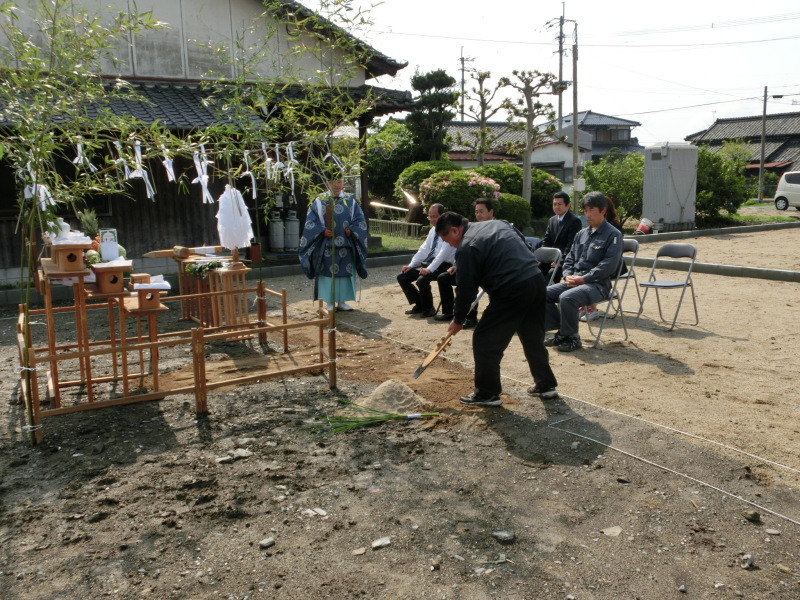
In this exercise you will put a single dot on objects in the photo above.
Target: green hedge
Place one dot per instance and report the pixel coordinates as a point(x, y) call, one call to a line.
point(507, 175)
point(513, 209)
point(412, 176)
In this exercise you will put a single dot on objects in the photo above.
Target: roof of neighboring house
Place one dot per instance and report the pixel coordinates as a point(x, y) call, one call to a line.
point(781, 143)
point(749, 128)
point(183, 106)
point(588, 118)
point(468, 130)
point(507, 135)
point(377, 63)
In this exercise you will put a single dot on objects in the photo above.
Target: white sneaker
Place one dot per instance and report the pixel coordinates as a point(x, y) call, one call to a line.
point(582, 313)
point(592, 314)
point(330, 307)
point(345, 306)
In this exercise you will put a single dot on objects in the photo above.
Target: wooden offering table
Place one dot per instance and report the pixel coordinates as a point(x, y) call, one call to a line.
point(51, 273)
point(230, 308)
point(145, 304)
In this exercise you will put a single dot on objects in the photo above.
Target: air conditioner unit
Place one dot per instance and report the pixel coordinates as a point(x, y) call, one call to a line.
point(670, 186)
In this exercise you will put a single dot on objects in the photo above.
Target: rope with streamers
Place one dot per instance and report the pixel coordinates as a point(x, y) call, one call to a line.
point(139, 172)
point(81, 159)
point(37, 190)
point(250, 173)
point(290, 166)
point(121, 162)
point(201, 165)
point(167, 162)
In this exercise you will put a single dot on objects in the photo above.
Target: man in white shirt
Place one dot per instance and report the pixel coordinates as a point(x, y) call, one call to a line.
point(433, 258)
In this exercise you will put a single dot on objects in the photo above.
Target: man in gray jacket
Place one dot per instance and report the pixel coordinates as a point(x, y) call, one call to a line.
point(590, 264)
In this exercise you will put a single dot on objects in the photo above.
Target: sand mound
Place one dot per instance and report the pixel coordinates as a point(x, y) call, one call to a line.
point(393, 396)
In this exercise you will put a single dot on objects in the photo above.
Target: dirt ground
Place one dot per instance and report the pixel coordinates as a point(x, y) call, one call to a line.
point(641, 481)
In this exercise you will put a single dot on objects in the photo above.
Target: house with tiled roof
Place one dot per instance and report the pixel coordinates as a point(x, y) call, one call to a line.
point(781, 142)
point(606, 132)
point(169, 67)
point(552, 154)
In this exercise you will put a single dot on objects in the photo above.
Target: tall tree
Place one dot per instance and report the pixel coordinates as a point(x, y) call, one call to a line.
point(530, 85)
point(480, 108)
point(437, 96)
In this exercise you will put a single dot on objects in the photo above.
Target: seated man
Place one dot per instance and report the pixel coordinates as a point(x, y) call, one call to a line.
point(484, 211)
point(590, 264)
point(433, 258)
point(561, 231)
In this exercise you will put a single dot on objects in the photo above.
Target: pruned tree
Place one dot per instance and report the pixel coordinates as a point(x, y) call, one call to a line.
point(530, 85)
point(481, 99)
point(437, 96)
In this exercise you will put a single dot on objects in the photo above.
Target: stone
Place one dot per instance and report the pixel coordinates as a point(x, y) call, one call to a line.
point(381, 543)
point(773, 532)
point(504, 536)
point(682, 589)
point(612, 531)
point(358, 551)
point(752, 515)
point(266, 543)
point(747, 561)
point(241, 453)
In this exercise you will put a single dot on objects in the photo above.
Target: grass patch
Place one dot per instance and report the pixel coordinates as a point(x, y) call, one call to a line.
point(390, 243)
point(737, 219)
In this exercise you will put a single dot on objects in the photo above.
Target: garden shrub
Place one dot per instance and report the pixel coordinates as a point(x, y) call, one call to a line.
point(457, 190)
point(507, 175)
point(412, 176)
point(543, 186)
point(514, 209)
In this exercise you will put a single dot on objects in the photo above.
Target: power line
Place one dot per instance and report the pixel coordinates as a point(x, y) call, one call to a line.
point(549, 43)
point(720, 25)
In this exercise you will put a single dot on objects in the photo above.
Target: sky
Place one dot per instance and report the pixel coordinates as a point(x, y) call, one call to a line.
point(672, 66)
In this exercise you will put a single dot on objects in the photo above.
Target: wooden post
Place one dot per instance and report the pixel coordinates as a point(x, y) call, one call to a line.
point(199, 364)
point(331, 350)
point(33, 383)
point(285, 321)
point(261, 308)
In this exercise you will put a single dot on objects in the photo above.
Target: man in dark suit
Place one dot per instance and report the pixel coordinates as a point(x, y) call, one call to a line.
point(561, 230)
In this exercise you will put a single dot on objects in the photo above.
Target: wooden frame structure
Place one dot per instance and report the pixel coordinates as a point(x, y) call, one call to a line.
point(44, 363)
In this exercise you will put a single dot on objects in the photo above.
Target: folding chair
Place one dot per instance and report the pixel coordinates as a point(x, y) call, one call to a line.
point(620, 285)
point(549, 256)
point(676, 251)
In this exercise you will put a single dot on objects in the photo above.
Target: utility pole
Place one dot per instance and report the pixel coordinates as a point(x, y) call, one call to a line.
point(463, 61)
point(575, 145)
point(560, 63)
point(763, 144)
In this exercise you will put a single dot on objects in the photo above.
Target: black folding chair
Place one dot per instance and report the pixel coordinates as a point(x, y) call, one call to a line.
point(675, 251)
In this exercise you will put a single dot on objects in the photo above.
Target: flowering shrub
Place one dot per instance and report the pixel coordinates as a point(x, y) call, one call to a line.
point(457, 190)
point(543, 186)
point(411, 177)
point(507, 175)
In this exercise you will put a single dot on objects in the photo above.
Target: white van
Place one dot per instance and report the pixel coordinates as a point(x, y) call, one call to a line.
point(788, 192)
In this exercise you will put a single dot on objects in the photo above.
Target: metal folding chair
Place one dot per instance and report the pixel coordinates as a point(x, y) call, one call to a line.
point(620, 285)
point(549, 256)
point(675, 251)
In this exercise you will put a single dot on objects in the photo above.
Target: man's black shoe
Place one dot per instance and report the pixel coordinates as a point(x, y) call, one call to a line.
point(543, 393)
point(414, 310)
point(431, 312)
point(570, 343)
point(470, 323)
point(556, 340)
point(474, 400)
point(443, 318)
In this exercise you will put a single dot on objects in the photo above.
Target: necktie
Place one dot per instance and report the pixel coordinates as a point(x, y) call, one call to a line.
point(432, 253)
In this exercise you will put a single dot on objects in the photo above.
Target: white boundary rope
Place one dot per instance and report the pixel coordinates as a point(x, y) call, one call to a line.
point(621, 451)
